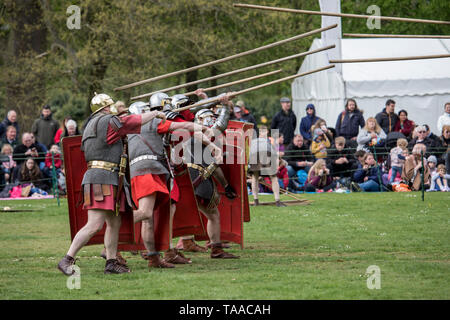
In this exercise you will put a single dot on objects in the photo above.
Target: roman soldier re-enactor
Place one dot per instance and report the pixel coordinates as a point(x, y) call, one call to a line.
point(201, 171)
point(150, 173)
point(105, 190)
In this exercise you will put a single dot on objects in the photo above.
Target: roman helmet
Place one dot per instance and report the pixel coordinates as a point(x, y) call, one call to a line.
point(180, 101)
point(205, 117)
point(101, 101)
point(139, 107)
point(158, 101)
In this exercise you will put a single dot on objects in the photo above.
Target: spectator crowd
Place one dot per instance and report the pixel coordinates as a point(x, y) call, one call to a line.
point(381, 153)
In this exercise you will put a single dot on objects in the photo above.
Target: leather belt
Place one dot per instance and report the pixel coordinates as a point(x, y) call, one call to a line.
point(105, 165)
point(144, 157)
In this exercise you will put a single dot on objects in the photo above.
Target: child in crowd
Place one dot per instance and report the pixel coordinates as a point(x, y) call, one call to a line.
point(48, 161)
point(319, 178)
point(319, 144)
point(8, 166)
point(439, 181)
point(432, 163)
point(368, 176)
point(398, 156)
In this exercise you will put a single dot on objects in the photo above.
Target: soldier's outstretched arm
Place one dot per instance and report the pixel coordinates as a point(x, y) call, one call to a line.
point(149, 116)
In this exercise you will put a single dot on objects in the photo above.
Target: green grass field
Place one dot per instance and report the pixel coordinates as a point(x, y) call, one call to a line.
point(318, 251)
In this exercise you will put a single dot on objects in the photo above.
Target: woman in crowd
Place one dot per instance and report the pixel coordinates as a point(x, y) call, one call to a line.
point(371, 135)
point(71, 129)
point(321, 124)
point(412, 169)
point(319, 178)
point(61, 130)
point(30, 173)
point(404, 125)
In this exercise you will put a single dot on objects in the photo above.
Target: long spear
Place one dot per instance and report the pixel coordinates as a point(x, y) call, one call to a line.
point(391, 59)
point(228, 84)
point(343, 15)
point(237, 93)
point(238, 55)
point(412, 36)
point(264, 64)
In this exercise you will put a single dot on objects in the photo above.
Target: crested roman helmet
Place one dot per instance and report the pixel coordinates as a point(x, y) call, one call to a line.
point(158, 101)
point(139, 107)
point(101, 101)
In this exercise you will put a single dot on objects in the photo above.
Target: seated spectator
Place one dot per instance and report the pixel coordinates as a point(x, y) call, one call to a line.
point(404, 125)
point(319, 178)
point(359, 156)
point(299, 158)
point(398, 156)
point(444, 120)
point(431, 135)
point(10, 137)
point(412, 169)
point(440, 180)
point(28, 148)
point(321, 124)
point(29, 173)
point(279, 143)
point(423, 138)
point(444, 148)
point(320, 144)
point(8, 166)
point(371, 136)
point(340, 161)
point(349, 121)
point(10, 120)
point(307, 122)
point(368, 176)
point(48, 172)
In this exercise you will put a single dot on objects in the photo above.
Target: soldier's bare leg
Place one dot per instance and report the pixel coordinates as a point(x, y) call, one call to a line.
point(275, 187)
point(96, 220)
point(255, 186)
point(113, 223)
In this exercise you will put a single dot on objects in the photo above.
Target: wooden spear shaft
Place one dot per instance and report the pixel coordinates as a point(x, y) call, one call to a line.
point(264, 64)
point(228, 84)
point(343, 15)
point(236, 93)
point(238, 55)
point(391, 59)
point(415, 36)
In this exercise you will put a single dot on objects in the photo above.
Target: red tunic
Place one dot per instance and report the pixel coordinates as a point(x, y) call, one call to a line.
point(130, 124)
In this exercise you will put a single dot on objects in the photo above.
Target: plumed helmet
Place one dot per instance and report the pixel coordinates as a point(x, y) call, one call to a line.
point(139, 107)
point(205, 117)
point(100, 101)
point(158, 100)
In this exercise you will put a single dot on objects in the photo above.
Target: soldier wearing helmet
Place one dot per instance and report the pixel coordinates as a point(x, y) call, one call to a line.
point(104, 187)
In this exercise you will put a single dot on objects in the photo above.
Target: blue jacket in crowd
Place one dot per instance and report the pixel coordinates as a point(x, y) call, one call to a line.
point(373, 173)
point(348, 124)
point(307, 122)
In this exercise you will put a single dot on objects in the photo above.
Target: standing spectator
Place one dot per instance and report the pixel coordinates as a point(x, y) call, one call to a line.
point(298, 157)
point(387, 119)
point(10, 120)
point(9, 165)
point(243, 114)
point(285, 120)
point(61, 130)
point(404, 125)
point(319, 178)
point(422, 138)
point(320, 144)
point(307, 122)
point(47, 171)
point(412, 169)
point(340, 161)
point(371, 135)
point(445, 118)
point(45, 127)
point(349, 121)
point(10, 137)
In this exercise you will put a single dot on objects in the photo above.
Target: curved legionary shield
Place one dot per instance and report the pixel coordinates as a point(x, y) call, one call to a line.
point(75, 167)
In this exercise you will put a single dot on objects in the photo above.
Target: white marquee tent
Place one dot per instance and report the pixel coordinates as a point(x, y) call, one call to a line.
point(421, 87)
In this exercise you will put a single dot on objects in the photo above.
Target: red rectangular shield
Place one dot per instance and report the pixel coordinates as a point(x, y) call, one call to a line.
point(75, 167)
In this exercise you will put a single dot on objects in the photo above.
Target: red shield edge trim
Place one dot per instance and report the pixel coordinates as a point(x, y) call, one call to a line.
point(75, 167)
